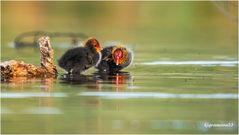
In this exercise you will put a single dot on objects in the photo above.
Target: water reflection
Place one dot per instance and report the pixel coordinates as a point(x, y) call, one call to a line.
point(20, 83)
point(16, 88)
point(97, 80)
point(114, 78)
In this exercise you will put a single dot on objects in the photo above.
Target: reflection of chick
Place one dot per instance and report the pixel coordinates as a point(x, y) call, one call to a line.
point(79, 59)
point(114, 59)
point(120, 80)
point(77, 79)
point(97, 80)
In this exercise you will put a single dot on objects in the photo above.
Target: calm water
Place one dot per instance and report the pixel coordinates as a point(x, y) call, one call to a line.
point(184, 76)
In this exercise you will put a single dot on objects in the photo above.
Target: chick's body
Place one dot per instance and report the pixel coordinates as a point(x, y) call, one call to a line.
point(79, 59)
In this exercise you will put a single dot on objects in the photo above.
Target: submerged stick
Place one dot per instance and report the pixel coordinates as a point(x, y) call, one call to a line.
point(14, 68)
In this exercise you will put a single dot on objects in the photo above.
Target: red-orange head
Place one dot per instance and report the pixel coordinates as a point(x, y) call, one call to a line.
point(119, 54)
point(93, 43)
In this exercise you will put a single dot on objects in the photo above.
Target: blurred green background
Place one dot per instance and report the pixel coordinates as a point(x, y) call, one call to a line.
point(177, 30)
point(155, 31)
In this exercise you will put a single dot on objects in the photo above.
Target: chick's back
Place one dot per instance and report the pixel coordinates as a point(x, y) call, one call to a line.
point(73, 58)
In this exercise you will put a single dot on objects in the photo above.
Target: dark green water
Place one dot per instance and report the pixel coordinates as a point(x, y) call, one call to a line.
point(184, 76)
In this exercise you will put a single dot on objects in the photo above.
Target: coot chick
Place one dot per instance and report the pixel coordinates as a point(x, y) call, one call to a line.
point(114, 59)
point(79, 59)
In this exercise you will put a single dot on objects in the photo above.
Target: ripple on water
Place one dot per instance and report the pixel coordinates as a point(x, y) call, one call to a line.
point(126, 95)
point(30, 94)
point(201, 63)
point(33, 110)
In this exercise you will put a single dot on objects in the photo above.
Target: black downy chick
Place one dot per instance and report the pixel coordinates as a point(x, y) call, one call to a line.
point(79, 59)
point(114, 59)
